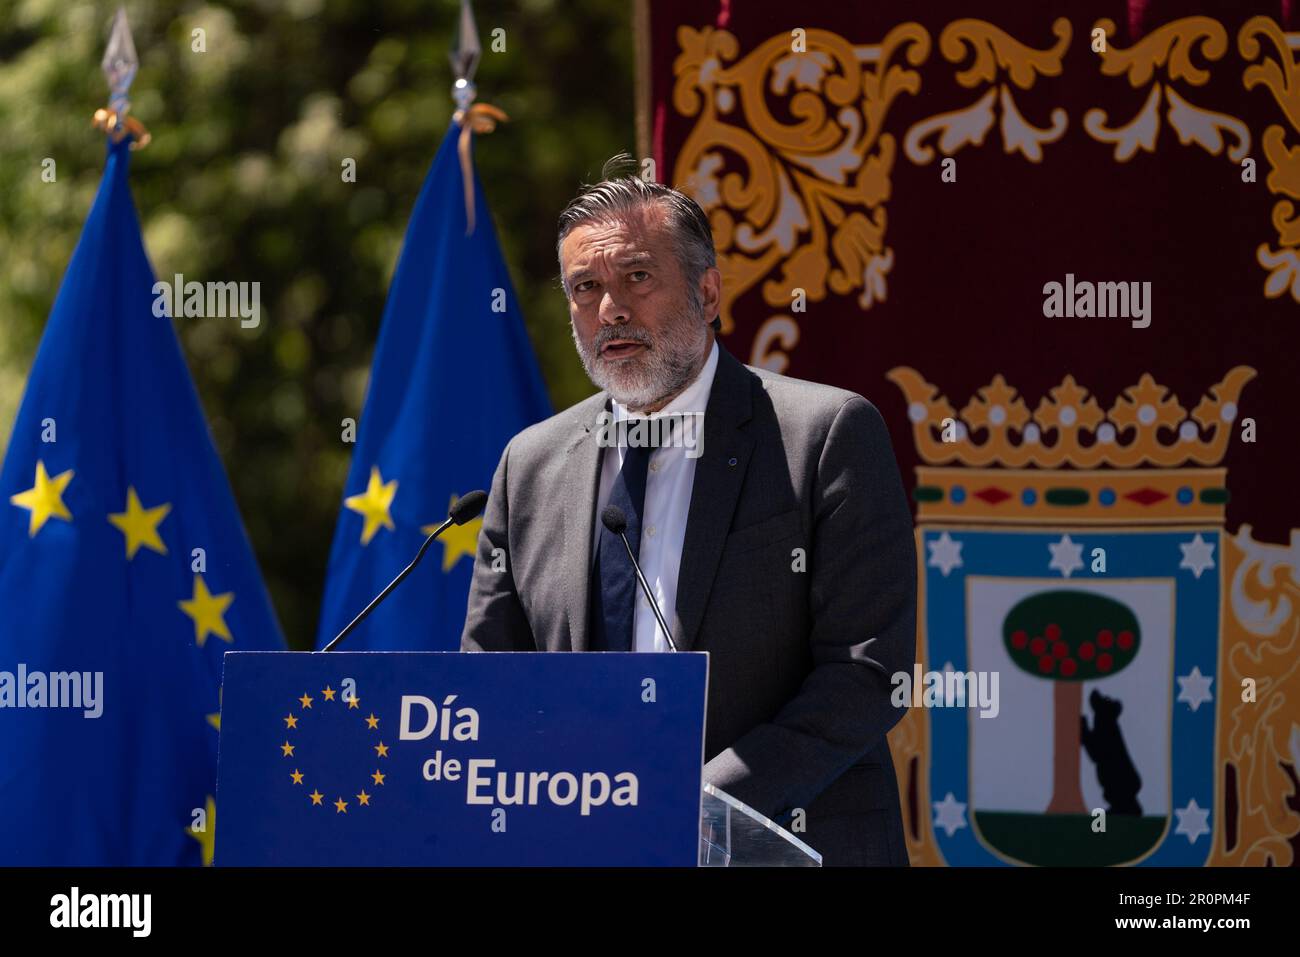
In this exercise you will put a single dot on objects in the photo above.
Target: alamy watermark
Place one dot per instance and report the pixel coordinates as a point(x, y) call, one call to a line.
point(55, 689)
point(1098, 300)
point(683, 430)
point(946, 689)
point(74, 909)
point(216, 300)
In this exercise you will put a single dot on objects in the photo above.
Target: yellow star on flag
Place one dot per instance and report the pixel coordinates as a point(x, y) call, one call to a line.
point(207, 836)
point(315, 796)
point(373, 504)
point(363, 797)
point(457, 540)
point(287, 748)
point(291, 721)
point(378, 777)
point(215, 719)
point(140, 524)
point(381, 749)
point(353, 701)
point(207, 610)
point(297, 776)
point(305, 700)
point(329, 693)
point(372, 722)
point(342, 806)
point(44, 499)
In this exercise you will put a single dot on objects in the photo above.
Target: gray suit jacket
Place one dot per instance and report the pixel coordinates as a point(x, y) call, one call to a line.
point(800, 655)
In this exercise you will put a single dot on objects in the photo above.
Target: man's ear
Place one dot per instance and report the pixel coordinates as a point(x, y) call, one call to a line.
point(711, 293)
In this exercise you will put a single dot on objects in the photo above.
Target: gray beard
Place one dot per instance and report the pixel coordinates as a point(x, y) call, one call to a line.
point(666, 368)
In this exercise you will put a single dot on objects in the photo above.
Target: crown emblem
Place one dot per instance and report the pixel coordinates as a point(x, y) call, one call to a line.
point(1069, 460)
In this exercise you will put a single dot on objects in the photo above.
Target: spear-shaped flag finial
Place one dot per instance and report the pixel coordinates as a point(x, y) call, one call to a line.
point(464, 58)
point(120, 62)
point(119, 65)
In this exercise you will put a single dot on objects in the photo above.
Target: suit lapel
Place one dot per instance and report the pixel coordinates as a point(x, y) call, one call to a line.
point(581, 474)
point(719, 474)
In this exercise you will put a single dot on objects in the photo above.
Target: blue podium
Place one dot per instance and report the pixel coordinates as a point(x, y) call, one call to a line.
point(454, 759)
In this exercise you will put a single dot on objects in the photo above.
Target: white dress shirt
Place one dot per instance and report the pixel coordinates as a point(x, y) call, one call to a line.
point(669, 482)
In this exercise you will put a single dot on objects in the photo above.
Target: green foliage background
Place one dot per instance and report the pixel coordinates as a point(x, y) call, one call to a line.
point(241, 183)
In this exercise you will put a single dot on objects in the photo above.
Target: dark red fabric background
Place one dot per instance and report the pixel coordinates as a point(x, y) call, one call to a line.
point(965, 291)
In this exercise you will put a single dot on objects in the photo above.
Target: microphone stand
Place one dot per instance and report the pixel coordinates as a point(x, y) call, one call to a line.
point(391, 585)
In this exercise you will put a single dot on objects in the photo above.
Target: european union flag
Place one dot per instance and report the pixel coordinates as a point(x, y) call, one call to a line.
point(453, 379)
point(125, 575)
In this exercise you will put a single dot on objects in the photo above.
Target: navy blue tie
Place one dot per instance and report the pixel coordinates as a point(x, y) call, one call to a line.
point(613, 583)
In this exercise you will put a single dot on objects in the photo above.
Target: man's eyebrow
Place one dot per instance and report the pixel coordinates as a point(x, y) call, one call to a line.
point(583, 272)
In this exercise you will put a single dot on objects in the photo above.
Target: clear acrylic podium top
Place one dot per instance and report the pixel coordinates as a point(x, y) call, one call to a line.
point(733, 834)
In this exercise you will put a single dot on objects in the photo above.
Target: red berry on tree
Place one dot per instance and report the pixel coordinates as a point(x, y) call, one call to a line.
point(1125, 640)
point(1018, 640)
point(1105, 638)
point(1068, 667)
point(1038, 646)
point(1046, 663)
point(1087, 650)
point(1053, 632)
point(1104, 662)
point(1060, 649)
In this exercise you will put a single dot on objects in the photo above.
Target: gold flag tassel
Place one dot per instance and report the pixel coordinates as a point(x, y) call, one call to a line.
point(119, 126)
point(477, 118)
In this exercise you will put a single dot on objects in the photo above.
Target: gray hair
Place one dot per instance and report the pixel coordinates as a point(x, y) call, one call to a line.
point(620, 192)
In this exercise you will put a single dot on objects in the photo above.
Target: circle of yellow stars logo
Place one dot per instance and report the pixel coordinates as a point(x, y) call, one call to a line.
point(307, 705)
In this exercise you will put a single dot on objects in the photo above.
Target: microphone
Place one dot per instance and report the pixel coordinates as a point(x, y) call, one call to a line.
point(613, 519)
point(467, 508)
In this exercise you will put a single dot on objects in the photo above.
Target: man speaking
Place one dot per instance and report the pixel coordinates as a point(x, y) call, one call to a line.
point(780, 542)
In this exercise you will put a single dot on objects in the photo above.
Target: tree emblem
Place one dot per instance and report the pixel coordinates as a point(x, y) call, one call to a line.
point(1070, 637)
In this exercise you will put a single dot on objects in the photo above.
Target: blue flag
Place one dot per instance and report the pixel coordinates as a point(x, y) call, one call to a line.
point(453, 379)
point(125, 575)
